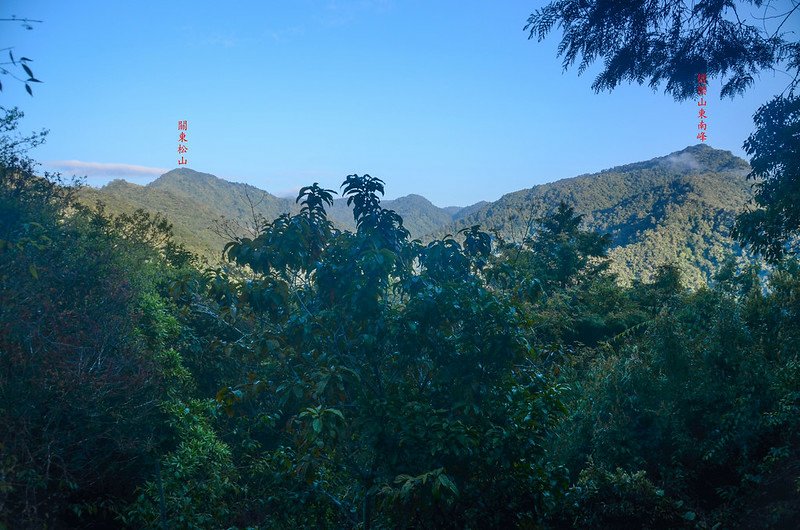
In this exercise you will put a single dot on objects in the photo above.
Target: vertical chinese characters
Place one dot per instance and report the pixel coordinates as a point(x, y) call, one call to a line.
point(183, 128)
point(702, 90)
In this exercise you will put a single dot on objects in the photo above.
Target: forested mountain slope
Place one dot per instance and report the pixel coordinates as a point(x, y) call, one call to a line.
point(193, 201)
point(676, 208)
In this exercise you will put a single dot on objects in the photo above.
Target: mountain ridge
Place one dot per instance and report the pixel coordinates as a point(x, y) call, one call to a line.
point(673, 208)
point(646, 207)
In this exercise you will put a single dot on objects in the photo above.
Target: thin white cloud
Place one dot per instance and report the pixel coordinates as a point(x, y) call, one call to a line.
point(103, 169)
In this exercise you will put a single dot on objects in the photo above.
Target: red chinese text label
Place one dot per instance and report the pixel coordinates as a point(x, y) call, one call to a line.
point(183, 128)
point(702, 90)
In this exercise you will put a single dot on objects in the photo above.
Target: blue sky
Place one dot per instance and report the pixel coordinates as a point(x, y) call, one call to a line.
point(447, 99)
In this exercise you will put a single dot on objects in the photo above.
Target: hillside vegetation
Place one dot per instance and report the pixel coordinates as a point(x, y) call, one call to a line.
point(320, 378)
point(195, 202)
point(674, 209)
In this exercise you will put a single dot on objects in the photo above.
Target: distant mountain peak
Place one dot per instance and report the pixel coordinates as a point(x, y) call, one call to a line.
point(413, 197)
point(691, 159)
point(183, 173)
point(703, 157)
point(119, 184)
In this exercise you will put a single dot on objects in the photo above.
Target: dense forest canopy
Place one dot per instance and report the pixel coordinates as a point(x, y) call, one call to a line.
point(335, 378)
point(345, 374)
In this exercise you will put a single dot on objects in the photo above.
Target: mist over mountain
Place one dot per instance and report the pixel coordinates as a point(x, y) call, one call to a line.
point(676, 208)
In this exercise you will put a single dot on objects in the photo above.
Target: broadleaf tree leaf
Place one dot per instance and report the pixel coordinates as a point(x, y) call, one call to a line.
point(28, 88)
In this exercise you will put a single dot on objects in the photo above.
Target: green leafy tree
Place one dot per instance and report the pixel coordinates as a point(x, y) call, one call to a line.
point(559, 272)
point(771, 228)
point(84, 334)
point(393, 387)
point(562, 252)
point(689, 413)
